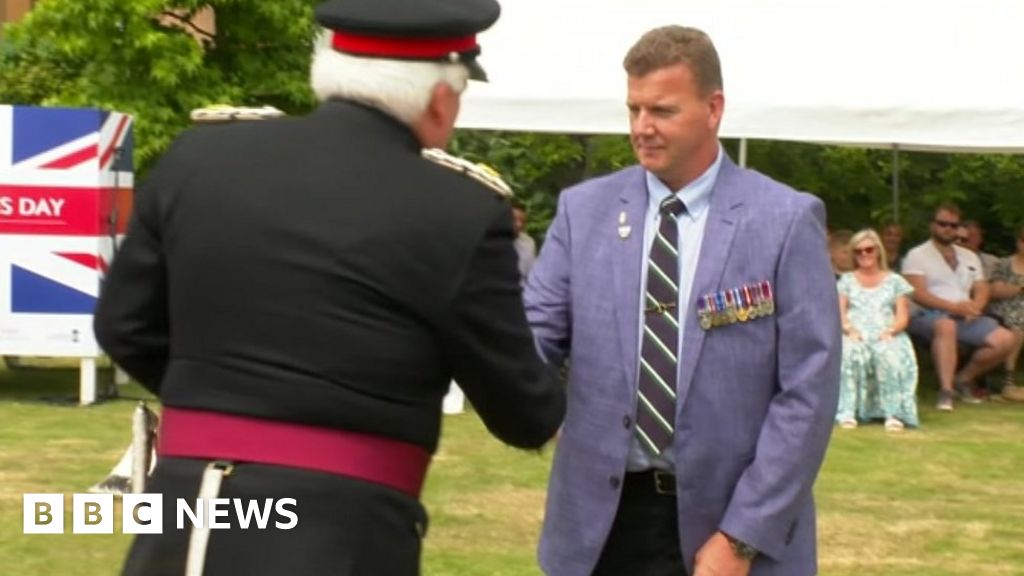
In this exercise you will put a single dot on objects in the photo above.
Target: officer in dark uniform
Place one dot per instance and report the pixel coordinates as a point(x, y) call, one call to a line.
point(300, 293)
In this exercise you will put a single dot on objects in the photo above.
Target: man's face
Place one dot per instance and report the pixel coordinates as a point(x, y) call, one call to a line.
point(518, 219)
point(672, 126)
point(944, 227)
point(453, 103)
point(961, 235)
point(892, 237)
point(435, 126)
point(972, 238)
point(842, 257)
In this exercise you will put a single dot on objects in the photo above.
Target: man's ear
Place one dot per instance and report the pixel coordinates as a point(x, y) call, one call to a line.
point(716, 107)
point(442, 110)
point(435, 126)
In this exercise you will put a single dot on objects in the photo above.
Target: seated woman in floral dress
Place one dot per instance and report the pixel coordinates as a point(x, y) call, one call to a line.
point(1007, 302)
point(879, 374)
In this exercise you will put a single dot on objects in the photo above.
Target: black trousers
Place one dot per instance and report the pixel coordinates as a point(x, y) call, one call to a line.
point(346, 527)
point(644, 540)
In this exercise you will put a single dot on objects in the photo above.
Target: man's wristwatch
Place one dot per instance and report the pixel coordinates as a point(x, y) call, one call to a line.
point(742, 549)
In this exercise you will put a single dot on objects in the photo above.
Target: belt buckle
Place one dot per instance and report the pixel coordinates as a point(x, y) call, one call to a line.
point(664, 483)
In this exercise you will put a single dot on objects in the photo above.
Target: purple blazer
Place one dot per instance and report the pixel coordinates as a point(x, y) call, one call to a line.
point(756, 398)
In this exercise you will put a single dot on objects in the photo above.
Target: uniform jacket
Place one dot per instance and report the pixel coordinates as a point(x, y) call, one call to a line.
point(756, 399)
point(319, 270)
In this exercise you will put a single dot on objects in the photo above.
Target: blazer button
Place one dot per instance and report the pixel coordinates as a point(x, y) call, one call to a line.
point(614, 482)
point(626, 422)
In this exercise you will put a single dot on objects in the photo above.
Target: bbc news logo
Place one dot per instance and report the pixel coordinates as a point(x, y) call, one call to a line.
point(144, 513)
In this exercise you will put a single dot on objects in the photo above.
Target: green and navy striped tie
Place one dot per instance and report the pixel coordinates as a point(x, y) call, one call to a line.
point(656, 407)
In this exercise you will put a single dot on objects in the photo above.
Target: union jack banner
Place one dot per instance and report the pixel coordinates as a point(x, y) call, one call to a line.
point(65, 197)
point(64, 139)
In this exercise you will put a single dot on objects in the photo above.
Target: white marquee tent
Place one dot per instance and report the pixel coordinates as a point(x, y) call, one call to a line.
point(919, 74)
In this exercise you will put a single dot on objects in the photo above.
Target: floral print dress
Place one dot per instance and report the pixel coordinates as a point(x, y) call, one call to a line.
point(879, 377)
point(1011, 310)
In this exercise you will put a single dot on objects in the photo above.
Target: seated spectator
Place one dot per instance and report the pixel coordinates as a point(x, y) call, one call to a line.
point(525, 246)
point(1008, 304)
point(971, 236)
point(951, 292)
point(879, 369)
point(892, 239)
point(839, 252)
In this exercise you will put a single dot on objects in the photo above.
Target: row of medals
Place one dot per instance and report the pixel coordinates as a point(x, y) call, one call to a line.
point(742, 304)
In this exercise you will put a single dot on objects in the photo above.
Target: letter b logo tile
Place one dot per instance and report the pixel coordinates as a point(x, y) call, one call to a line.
point(93, 514)
point(43, 513)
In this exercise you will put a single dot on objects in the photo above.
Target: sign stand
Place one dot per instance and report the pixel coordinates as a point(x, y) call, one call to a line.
point(65, 193)
point(87, 381)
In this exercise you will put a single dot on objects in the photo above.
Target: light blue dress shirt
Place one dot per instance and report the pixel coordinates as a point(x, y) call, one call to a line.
point(697, 197)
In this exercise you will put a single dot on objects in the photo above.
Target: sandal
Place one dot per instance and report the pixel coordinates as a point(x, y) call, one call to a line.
point(848, 424)
point(893, 425)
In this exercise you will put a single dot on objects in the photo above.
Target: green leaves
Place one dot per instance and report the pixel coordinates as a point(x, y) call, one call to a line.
point(159, 59)
point(855, 183)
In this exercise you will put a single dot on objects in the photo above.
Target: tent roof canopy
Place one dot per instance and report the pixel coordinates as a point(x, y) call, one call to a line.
point(930, 75)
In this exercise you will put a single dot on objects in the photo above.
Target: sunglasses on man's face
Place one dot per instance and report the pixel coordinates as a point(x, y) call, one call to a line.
point(866, 250)
point(946, 223)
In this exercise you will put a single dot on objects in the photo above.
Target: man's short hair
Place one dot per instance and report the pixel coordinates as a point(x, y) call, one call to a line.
point(671, 45)
point(840, 238)
point(971, 224)
point(888, 225)
point(949, 207)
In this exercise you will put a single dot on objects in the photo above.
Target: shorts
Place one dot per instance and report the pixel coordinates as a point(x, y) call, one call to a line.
point(971, 332)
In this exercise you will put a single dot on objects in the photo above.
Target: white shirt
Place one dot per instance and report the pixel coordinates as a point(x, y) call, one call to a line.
point(526, 249)
point(940, 279)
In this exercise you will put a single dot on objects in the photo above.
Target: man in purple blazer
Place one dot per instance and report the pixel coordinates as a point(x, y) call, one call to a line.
point(697, 309)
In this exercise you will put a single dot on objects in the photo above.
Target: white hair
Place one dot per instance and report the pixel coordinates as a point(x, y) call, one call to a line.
point(399, 88)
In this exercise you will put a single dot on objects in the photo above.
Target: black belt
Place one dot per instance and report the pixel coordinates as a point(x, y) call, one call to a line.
point(656, 481)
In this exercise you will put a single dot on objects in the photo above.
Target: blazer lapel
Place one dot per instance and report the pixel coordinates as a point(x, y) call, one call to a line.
point(626, 266)
point(723, 219)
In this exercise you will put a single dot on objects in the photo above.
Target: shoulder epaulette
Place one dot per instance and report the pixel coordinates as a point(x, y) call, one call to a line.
point(480, 172)
point(224, 113)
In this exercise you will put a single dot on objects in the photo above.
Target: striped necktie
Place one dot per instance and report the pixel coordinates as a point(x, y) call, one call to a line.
point(658, 363)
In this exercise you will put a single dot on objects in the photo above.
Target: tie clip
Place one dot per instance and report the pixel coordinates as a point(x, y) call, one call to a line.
point(660, 307)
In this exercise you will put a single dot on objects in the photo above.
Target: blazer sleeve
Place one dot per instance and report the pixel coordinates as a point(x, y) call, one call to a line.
point(796, 430)
point(548, 293)
point(131, 319)
point(493, 359)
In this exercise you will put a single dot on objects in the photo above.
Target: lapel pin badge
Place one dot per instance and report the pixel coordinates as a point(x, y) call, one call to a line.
point(624, 229)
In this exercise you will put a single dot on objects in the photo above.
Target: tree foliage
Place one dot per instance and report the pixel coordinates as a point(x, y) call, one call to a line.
point(151, 59)
point(855, 183)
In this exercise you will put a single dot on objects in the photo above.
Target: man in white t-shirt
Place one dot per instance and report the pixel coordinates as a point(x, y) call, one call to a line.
point(951, 291)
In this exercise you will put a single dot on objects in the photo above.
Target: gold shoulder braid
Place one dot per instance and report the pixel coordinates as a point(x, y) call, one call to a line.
point(480, 172)
point(225, 113)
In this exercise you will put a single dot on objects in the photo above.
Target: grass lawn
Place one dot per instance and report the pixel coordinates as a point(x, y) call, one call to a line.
point(946, 499)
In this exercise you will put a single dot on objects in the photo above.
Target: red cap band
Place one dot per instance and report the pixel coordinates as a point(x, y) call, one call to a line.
point(415, 48)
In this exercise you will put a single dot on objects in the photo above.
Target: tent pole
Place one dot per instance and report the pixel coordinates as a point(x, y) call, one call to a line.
point(896, 183)
point(743, 152)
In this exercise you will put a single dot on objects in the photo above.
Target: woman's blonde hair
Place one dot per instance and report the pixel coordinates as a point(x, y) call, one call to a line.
point(869, 234)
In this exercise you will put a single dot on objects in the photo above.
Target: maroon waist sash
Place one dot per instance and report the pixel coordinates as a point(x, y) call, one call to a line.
point(218, 436)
